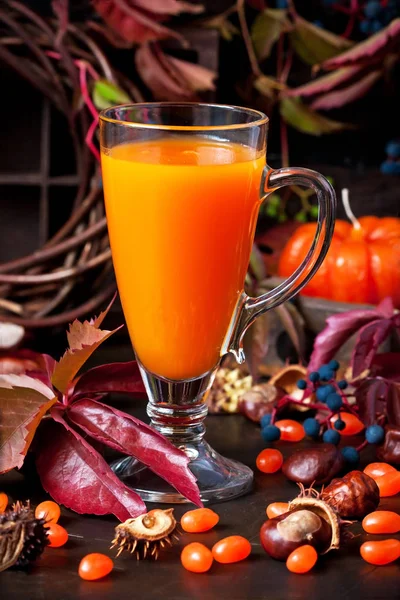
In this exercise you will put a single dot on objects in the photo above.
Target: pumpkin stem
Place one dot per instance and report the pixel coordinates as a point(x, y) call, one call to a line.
point(347, 209)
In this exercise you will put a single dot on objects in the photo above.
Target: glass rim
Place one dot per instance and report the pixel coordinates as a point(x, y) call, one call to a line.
point(260, 117)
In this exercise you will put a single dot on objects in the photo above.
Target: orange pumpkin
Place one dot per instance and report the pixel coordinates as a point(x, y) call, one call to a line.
point(362, 264)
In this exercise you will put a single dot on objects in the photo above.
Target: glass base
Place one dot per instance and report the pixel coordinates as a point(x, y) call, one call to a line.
point(218, 478)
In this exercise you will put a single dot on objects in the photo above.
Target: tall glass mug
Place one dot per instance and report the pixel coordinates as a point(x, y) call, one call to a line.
point(183, 184)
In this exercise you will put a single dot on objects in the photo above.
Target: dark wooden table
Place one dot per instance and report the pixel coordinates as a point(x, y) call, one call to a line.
point(340, 575)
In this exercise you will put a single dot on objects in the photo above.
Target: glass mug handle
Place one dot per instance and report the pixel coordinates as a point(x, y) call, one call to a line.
point(251, 308)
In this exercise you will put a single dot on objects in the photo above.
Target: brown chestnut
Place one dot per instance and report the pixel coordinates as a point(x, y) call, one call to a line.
point(354, 495)
point(283, 534)
point(390, 449)
point(314, 465)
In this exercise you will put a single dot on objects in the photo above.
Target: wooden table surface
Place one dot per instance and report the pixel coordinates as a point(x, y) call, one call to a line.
point(339, 575)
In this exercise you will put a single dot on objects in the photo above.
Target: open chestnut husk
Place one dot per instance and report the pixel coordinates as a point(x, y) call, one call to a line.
point(283, 534)
point(354, 495)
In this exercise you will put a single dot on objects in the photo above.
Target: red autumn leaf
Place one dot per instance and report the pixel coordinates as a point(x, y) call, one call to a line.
point(23, 402)
point(370, 395)
point(393, 403)
point(370, 50)
point(78, 477)
point(369, 339)
point(133, 437)
point(386, 365)
point(83, 339)
point(137, 22)
point(339, 328)
point(353, 92)
point(121, 377)
point(324, 83)
point(169, 78)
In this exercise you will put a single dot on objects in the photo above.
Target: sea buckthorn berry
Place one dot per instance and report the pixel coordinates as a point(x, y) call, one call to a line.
point(378, 469)
point(314, 376)
point(311, 427)
point(374, 434)
point(3, 502)
point(342, 384)
point(270, 433)
point(276, 509)
point(196, 558)
point(302, 384)
point(331, 436)
point(380, 553)
point(95, 566)
point(350, 455)
point(381, 521)
point(334, 365)
point(231, 549)
point(57, 535)
point(389, 484)
point(199, 520)
point(334, 402)
point(302, 559)
point(265, 421)
point(48, 510)
point(291, 431)
point(353, 425)
point(339, 424)
point(269, 460)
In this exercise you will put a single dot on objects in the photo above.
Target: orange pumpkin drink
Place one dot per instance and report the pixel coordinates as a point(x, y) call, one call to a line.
point(181, 214)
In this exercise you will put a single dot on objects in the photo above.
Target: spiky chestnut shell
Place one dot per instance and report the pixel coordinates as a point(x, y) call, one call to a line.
point(147, 534)
point(22, 537)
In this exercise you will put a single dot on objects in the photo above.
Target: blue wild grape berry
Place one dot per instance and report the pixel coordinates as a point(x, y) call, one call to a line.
point(302, 384)
point(376, 26)
point(350, 455)
point(318, 23)
point(392, 149)
point(365, 27)
point(374, 434)
point(390, 167)
point(314, 376)
point(342, 384)
point(331, 436)
point(339, 424)
point(323, 392)
point(265, 420)
point(334, 402)
point(271, 433)
point(326, 373)
point(282, 4)
point(311, 427)
point(334, 365)
point(372, 9)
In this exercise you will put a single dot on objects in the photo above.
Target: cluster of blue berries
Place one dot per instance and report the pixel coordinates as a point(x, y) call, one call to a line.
point(391, 166)
point(376, 16)
point(327, 391)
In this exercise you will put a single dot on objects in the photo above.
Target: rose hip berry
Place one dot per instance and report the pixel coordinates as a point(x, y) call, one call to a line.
point(231, 549)
point(48, 510)
point(95, 566)
point(3, 502)
point(276, 509)
point(269, 460)
point(302, 559)
point(196, 558)
point(199, 520)
point(382, 521)
point(389, 484)
point(378, 469)
point(57, 535)
point(291, 431)
point(380, 553)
